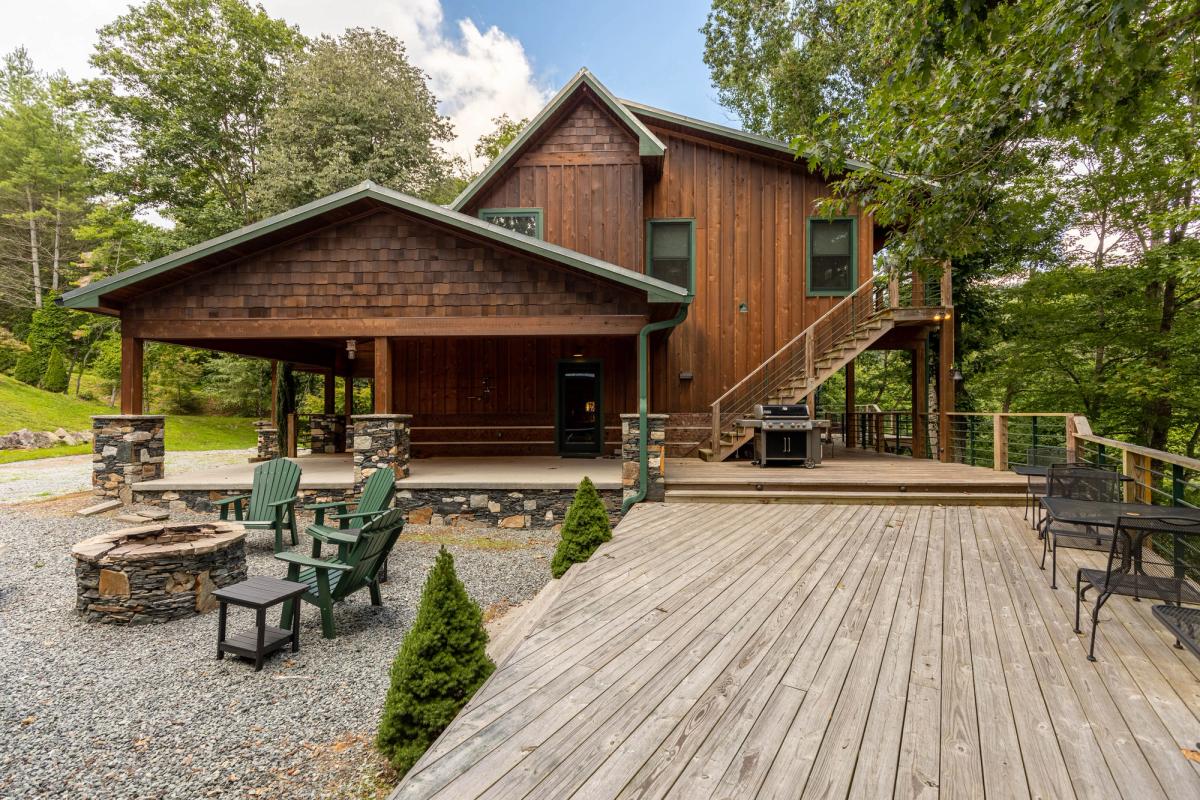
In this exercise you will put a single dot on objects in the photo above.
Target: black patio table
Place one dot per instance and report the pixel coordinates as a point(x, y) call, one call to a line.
point(1031, 471)
point(1105, 514)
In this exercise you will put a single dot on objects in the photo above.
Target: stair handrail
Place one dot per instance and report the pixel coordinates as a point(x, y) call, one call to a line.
point(881, 293)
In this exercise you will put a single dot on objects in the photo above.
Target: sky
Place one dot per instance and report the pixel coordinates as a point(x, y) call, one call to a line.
point(484, 58)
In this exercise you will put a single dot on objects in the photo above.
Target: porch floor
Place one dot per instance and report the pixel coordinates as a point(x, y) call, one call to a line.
point(336, 471)
point(825, 651)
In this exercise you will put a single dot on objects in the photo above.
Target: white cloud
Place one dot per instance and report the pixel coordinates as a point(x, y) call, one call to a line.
point(476, 74)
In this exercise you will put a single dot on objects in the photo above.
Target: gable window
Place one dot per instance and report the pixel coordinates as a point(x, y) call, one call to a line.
point(522, 220)
point(831, 257)
point(671, 251)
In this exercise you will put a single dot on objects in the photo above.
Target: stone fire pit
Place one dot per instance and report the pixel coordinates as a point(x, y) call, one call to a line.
point(156, 573)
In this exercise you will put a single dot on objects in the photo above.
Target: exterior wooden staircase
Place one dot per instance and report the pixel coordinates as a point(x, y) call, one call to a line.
point(795, 371)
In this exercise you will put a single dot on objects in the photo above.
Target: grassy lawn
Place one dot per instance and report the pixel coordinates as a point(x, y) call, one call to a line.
point(23, 406)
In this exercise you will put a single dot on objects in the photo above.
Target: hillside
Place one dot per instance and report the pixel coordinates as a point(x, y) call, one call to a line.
point(23, 406)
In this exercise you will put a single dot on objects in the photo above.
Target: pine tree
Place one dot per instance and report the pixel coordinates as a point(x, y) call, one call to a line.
point(441, 663)
point(585, 528)
point(29, 367)
point(55, 378)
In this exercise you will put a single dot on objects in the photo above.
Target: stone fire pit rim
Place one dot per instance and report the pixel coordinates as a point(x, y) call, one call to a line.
point(96, 549)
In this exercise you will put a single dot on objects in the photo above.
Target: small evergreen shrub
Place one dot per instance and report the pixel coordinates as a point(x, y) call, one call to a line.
point(584, 529)
point(29, 367)
point(441, 663)
point(55, 379)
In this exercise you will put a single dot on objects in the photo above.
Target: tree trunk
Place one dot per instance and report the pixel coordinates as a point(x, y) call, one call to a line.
point(33, 250)
point(57, 239)
point(1157, 410)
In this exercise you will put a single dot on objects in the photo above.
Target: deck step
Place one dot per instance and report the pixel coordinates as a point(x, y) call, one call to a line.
point(749, 496)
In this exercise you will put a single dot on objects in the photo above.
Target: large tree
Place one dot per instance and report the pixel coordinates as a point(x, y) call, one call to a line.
point(186, 86)
point(352, 108)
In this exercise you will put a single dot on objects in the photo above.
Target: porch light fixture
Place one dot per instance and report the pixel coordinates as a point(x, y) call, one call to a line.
point(577, 355)
point(956, 375)
point(743, 308)
point(350, 345)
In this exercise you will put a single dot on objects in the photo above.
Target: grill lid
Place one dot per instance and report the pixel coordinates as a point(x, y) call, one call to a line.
point(795, 411)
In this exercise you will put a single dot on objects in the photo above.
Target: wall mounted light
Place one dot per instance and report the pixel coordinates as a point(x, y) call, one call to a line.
point(350, 346)
point(743, 308)
point(685, 376)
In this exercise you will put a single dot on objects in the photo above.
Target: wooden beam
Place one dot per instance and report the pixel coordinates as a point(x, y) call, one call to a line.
point(851, 431)
point(920, 401)
point(570, 325)
point(946, 386)
point(132, 351)
point(330, 393)
point(383, 375)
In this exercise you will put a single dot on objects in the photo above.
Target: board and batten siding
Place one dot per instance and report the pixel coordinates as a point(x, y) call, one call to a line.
point(586, 176)
point(750, 212)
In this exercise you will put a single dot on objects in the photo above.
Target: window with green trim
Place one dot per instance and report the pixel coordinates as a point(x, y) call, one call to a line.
point(522, 220)
point(671, 251)
point(831, 261)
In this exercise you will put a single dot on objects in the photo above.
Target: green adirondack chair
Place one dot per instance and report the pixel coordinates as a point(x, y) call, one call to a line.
point(272, 500)
point(330, 580)
point(376, 496)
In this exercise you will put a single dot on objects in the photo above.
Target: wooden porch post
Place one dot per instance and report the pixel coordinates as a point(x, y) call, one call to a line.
point(274, 392)
point(850, 432)
point(348, 395)
point(946, 387)
point(920, 401)
point(131, 375)
point(330, 393)
point(383, 375)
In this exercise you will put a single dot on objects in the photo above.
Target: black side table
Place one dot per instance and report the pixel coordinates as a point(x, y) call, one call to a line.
point(258, 593)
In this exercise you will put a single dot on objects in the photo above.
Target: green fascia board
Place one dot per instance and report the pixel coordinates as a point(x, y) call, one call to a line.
point(723, 131)
point(657, 291)
point(649, 145)
point(854, 284)
point(536, 213)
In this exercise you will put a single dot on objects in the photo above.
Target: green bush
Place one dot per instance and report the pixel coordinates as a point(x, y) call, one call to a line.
point(441, 663)
point(585, 528)
point(29, 368)
point(55, 378)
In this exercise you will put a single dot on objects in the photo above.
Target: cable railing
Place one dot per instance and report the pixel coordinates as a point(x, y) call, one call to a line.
point(999, 440)
point(885, 431)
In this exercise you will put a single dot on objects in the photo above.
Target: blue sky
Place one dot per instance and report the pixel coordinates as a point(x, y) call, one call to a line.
point(651, 51)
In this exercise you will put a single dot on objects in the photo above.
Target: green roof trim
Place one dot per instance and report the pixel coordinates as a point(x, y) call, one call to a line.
point(657, 291)
point(724, 131)
point(648, 144)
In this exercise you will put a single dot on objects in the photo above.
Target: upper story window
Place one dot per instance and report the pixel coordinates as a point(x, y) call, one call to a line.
point(831, 257)
point(671, 251)
point(522, 220)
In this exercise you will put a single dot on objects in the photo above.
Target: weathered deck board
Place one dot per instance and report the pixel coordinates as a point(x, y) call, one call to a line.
point(824, 651)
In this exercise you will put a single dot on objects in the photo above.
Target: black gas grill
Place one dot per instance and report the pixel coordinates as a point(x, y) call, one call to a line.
point(786, 435)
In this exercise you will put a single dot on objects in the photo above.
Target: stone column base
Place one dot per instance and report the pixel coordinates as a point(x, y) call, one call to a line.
point(268, 440)
point(380, 440)
point(655, 455)
point(326, 432)
point(126, 449)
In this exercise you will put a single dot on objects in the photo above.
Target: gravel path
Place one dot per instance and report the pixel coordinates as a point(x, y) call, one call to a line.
point(96, 711)
point(22, 481)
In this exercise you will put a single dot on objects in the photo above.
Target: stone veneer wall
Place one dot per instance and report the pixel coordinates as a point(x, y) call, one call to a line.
point(533, 509)
point(202, 499)
point(126, 449)
point(161, 589)
point(381, 440)
point(326, 432)
point(268, 440)
point(655, 447)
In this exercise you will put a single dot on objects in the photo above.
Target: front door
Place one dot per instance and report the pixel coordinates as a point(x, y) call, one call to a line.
point(579, 425)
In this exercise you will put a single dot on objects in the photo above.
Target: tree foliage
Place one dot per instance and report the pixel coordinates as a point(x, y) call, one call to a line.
point(584, 528)
point(491, 144)
point(55, 378)
point(351, 109)
point(442, 662)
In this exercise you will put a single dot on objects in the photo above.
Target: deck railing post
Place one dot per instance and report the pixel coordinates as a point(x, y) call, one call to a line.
point(1177, 484)
point(1000, 442)
point(716, 429)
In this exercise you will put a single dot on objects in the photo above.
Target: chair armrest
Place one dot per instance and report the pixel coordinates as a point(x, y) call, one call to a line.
point(279, 505)
point(309, 561)
point(358, 514)
point(334, 504)
point(341, 537)
point(224, 501)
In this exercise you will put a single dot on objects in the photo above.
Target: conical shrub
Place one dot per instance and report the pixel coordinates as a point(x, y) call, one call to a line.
point(584, 529)
point(441, 663)
point(30, 366)
point(55, 378)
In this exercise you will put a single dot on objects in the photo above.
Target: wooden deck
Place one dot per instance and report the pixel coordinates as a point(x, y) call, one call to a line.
point(858, 476)
point(825, 651)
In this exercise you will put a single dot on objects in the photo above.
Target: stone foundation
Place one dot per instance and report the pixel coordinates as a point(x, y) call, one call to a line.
point(530, 509)
point(655, 448)
point(202, 499)
point(157, 573)
point(268, 440)
point(327, 432)
point(126, 449)
point(380, 440)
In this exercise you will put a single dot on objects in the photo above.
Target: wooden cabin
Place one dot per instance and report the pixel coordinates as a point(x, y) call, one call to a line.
point(508, 323)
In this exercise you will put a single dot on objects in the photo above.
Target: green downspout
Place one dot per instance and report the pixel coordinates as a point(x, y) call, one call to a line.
point(643, 390)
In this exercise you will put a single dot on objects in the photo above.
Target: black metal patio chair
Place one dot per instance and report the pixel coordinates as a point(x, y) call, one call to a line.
point(1077, 482)
point(1147, 558)
point(1039, 456)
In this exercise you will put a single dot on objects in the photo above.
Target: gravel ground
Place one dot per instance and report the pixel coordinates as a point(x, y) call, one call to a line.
point(97, 711)
point(22, 481)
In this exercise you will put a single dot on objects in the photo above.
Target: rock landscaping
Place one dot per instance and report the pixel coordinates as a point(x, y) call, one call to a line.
point(534, 509)
point(25, 439)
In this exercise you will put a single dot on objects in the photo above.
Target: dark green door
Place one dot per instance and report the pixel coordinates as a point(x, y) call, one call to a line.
point(579, 426)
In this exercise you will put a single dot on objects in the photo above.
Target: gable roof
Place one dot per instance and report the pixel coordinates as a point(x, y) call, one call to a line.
point(649, 145)
point(657, 291)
